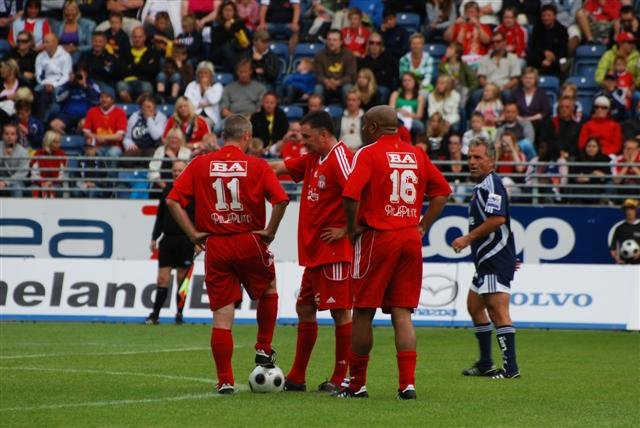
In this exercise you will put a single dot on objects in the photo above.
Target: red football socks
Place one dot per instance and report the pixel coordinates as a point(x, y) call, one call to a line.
point(358, 370)
point(222, 350)
point(307, 335)
point(407, 368)
point(343, 349)
point(266, 315)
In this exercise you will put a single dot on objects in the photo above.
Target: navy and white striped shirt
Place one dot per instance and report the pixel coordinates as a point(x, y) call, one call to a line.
point(495, 253)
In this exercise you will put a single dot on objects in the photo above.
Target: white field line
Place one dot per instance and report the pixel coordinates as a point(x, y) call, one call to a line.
point(111, 373)
point(110, 403)
point(116, 402)
point(101, 354)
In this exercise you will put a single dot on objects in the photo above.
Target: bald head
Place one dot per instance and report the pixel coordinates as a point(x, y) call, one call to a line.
point(50, 42)
point(377, 121)
point(138, 37)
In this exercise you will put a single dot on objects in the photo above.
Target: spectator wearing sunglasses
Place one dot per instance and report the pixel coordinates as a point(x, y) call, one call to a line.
point(603, 127)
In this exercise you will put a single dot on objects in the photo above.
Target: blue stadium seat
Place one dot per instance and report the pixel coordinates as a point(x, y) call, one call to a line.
point(167, 109)
point(307, 49)
point(293, 112)
point(129, 109)
point(551, 86)
point(586, 85)
point(410, 21)
point(587, 104)
point(282, 52)
point(72, 144)
point(224, 78)
point(436, 50)
point(586, 59)
point(334, 110)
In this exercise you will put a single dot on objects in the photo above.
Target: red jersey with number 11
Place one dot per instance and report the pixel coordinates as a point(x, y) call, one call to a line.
point(390, 179)
point(321, 204)
point(230, 189)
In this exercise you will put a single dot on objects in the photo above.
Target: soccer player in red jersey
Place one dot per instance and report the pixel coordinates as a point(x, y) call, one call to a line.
point(383, 201)
point(323, 247)
point(230, 188)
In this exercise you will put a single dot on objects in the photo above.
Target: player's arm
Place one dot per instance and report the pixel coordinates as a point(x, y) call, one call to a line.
point(436, 205)
point(491, 224)
point(351, 212)
point(277, 212)
point(181, 217)
point(279, 168)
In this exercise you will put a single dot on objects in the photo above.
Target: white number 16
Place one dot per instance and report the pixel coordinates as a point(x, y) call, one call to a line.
point(403, 186)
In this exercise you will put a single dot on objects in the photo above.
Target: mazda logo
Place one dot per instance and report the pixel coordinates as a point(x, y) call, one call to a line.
point(438, 290)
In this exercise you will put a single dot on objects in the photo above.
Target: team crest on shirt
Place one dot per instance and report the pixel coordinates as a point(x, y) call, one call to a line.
point(494, 202)
point(402, 160)
point(228, 169)
point(322, 182)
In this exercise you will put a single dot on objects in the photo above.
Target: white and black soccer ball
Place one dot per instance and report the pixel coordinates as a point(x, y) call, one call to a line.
point(266, 379)
point(629, 249)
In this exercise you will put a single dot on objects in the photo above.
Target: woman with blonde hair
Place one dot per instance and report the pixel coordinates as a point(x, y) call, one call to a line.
point(446, 101)
point(367, 88)
point(174, 148)
point(9, 71)
point(205, 94)
point(74, 32)
point(184, 117)
point(48, 166)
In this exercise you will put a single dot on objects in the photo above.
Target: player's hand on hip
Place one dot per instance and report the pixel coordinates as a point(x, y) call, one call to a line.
point(199, 239)
point(331, 234)
point(354, 233)
point(266, 236)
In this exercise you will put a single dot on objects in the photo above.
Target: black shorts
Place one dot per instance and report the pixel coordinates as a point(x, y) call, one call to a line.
point(175, 252)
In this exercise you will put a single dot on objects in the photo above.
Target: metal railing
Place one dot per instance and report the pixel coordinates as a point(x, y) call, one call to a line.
point(128, 177)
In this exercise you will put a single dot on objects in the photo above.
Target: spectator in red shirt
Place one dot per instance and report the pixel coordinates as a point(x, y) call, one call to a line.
point(32, 23)
point(515, 36)
point(596, 19)
point(107, 124)
point(471, 34)
point(356, 35)
point(47, 167)
point(603, 127)
point(193, 127)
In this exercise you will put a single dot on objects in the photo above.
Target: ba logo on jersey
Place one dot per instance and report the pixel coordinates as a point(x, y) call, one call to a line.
point(402, 160)
point(228, 169)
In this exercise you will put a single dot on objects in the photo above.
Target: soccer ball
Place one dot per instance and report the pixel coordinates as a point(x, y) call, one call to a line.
point(266, 379)
point(629, 249)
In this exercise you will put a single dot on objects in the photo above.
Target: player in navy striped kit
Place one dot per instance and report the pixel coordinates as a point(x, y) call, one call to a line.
point(494, 256)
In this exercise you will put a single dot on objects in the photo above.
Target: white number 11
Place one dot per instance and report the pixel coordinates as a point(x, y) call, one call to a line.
point(234, 189)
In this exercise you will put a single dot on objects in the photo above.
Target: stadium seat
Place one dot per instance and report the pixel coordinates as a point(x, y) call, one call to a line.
point(436, 50)
point(587, 104)
point(585, 85)
point(334, 110)
point(551, 85)
point(136, 181)
point(224, 78)
point(586, 59)
point(293, 112)
point(167, 109)
point(307, 50)
point(410, 21)
point(282, 52)
point(72, 144)
point(129, 109)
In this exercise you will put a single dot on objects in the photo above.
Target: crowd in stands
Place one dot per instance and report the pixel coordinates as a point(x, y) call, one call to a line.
point(551, 82)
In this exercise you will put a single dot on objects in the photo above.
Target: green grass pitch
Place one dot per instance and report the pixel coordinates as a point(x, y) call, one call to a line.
point(56, 374)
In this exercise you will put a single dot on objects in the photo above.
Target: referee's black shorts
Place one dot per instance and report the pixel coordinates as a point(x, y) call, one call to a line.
point(175, 252)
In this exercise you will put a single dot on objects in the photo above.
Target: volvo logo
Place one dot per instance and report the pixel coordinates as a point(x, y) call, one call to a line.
point(438, 290)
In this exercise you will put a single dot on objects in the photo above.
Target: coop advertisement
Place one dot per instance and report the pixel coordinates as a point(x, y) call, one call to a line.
point(121, 230)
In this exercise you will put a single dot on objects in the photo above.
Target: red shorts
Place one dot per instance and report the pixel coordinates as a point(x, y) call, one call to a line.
point(387, 269)
point(327, 287)
point(237, 259)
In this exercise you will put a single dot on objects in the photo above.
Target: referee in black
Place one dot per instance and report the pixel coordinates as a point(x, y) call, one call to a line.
point(175, 249)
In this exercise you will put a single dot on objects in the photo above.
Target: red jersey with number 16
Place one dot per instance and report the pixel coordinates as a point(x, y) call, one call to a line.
point(230, 189)
point(390, 179)
point(321, 204)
